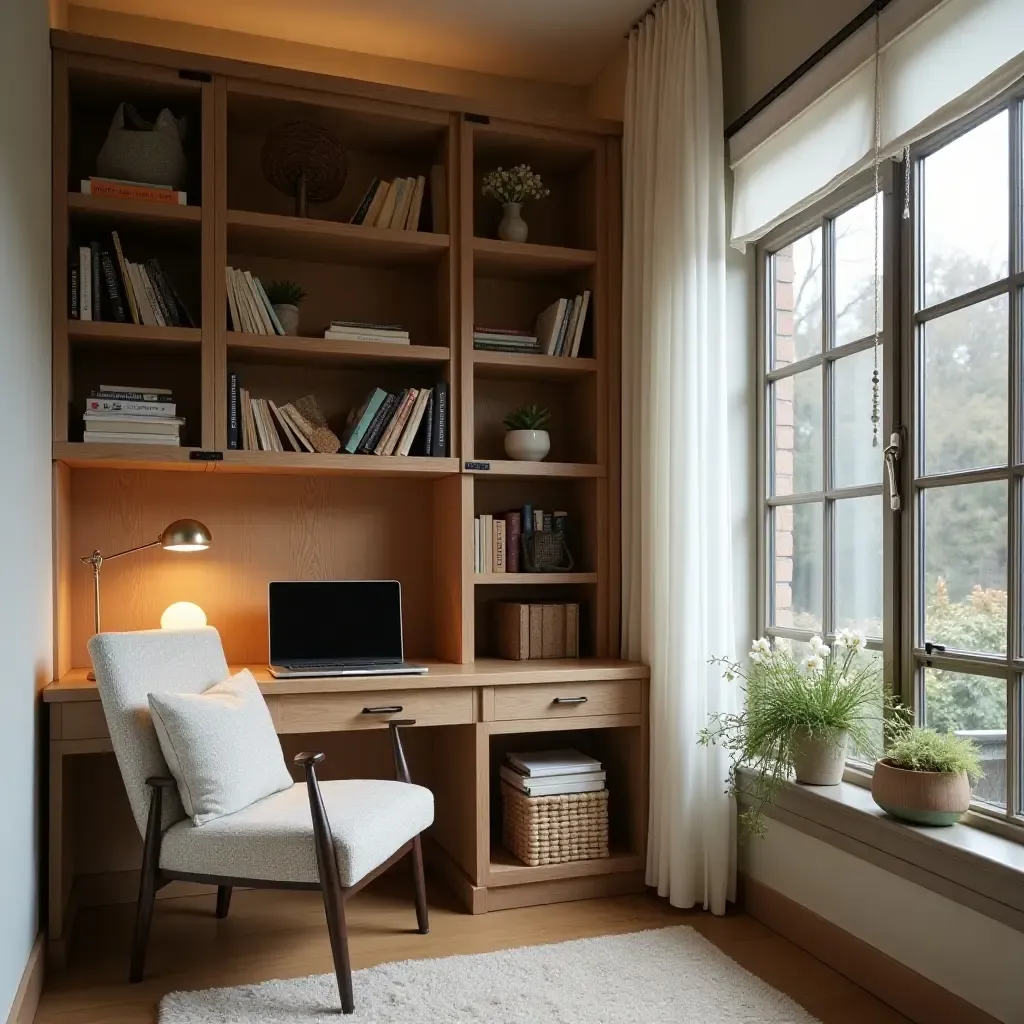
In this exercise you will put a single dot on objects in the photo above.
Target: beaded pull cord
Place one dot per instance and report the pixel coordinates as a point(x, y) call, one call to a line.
point(876, 163)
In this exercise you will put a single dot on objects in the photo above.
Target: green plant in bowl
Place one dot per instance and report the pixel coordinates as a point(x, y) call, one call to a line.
point(285, 293)
point(527, 417)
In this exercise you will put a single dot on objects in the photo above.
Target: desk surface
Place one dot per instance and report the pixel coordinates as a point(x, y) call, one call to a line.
point(74, 685)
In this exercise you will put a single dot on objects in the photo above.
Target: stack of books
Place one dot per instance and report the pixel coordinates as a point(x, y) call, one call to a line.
point(355, 330)
point(553, 772)
point(411, 422)
point(559, 328)
point(131, 415)
point(496, 538)
point(392, 204)
point(103, 285)
point(496, 339)
point(116, 188)
point(249, 308)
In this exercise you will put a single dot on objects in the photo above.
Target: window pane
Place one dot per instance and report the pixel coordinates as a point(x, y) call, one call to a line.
point(975, 707)
point(797, 297)
point(855, 272)
point(965, 541)
point(966, 402)
point(856, 461)
point(858, 558)
point(966, 212)
point(798, 554)
point(796, 402)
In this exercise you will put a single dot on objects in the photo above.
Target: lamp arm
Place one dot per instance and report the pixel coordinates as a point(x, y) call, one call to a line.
point(128, 551)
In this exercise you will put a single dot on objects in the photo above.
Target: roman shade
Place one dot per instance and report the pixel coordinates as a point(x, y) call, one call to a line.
point(939, 61)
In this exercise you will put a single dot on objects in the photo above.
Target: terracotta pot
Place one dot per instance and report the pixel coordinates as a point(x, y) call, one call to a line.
point(924, 798)
point(818, 760)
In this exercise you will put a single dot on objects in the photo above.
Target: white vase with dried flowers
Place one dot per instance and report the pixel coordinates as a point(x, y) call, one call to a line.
point(512, 188)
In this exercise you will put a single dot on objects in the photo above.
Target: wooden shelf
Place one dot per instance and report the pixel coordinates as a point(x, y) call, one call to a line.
point(507, 869)
point(92, 455)
point(503, 468)
point(344, 465)
point(83, 206)
point(277, 348)
point(134, 335)
point(304, 238)
point(532, 578)
point(515, 366)
point(492, 255)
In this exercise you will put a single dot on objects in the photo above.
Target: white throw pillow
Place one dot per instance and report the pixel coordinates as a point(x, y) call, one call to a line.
point(220, 746)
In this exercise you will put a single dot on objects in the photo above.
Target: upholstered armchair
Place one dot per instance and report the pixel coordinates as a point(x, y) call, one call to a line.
point(332, 836)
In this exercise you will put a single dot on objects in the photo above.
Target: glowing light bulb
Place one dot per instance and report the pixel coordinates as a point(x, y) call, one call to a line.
point(183, 615)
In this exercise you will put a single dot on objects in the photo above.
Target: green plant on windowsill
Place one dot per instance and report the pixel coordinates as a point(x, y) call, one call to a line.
point(800, 714)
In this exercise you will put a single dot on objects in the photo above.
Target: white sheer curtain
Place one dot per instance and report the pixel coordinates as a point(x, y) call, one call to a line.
point(677, 569)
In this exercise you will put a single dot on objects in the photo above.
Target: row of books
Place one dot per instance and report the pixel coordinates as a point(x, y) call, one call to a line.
point(259, 424)
point(248, 306)
point(553, 772)
point(398, 204)
point(496, 538)
point(103, 285)
point(119, 414)
point(538, 629)
point(411, 422)
point(557, 332)
point(142, 191)
point(357, 330)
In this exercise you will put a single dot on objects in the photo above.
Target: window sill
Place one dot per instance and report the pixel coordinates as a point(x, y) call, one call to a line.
point(973, 867)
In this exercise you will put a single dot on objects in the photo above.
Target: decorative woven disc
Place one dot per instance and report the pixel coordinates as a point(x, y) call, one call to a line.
point(298, 148)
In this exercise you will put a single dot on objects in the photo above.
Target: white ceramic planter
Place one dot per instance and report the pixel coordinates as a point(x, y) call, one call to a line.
point(527, 445)
point(512, 227)
point(819, 760)
point(289, 317)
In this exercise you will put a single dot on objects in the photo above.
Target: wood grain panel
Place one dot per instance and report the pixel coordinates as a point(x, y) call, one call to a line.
point(602, 698)
point(264, 528)
point(83, 720)
point(62, 568)
point(344, 712)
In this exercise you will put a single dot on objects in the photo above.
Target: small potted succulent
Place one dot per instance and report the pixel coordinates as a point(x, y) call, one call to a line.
point(800, 715)
point(925, 777)
point(512, 188)
point(285, 297)
point(526, 441)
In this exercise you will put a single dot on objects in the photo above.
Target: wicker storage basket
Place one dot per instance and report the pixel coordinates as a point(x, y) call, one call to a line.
point(554, 829)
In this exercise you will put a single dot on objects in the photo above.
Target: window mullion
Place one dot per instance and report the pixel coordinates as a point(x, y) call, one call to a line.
point(828, 260)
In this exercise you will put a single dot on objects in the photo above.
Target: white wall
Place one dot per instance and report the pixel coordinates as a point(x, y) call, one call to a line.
point(965, 952)
point(26, 637)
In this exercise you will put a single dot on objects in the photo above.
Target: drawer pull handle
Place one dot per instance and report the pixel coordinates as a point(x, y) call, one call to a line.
point(387, 709)
point(570, 700)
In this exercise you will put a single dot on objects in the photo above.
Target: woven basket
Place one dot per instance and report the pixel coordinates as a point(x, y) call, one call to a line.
point(555, 829)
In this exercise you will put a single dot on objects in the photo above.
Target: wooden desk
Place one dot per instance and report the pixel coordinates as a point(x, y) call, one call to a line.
point(476, 713)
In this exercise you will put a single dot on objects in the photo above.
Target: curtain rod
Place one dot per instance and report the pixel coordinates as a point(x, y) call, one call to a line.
point(643, 17)
point(875, 7)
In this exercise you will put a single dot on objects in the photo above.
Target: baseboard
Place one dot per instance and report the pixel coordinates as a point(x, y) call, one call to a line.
point(918, 998)
point(26, 999)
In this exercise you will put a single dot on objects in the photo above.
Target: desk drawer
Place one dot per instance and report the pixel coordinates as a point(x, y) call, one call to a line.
point(568, 700)
point(78, 720)
point(336, 712)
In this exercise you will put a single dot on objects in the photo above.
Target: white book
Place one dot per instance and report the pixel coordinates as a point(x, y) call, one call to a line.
point(412, 222)
point(117, 421)
point(401, 210)
point(84, 282)
point(242, 301)
point(275, 323)
point(387, 208)
point(476, 544)
point(413, 423)
point(379, 198)
point(580, 321)
point(234, 301)
point(285, 432)
point(104, 438)
point(266, 444)
point(540, 763)
point(376, 339)
point(288, 412)
point(548, 324)
point(145, 309)
point(150, 292)
point(259, 312)
point(544, 786)
point(487, 540)
point(562, 787)
point(245, 406)
point(355, 325)
point(236, 323)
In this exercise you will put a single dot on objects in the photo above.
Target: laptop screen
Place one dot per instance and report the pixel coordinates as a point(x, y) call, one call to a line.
point(336, 620)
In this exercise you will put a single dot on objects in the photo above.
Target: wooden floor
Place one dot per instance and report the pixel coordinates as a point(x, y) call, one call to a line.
point(282, 935)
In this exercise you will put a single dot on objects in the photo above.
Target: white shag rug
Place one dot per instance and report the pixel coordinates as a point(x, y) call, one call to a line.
point(667, 976)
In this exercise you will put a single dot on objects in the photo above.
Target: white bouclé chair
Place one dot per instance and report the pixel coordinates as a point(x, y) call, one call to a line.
point(330, 836)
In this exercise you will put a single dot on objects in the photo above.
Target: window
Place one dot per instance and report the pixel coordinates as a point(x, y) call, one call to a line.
point(937, 586)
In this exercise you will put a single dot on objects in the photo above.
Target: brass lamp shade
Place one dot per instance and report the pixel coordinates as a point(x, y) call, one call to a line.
point(186, 535)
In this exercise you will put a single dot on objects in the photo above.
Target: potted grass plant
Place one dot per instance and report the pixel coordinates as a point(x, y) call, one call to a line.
point(285, 297)
point(925, 777)
point(800, 717)
point(526, 440)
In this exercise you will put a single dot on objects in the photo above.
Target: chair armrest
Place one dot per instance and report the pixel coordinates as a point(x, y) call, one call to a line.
point(309, 758)
point(158, 782)
point(401, 767)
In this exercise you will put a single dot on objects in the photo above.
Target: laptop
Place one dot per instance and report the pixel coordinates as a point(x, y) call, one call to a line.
point(337, 628)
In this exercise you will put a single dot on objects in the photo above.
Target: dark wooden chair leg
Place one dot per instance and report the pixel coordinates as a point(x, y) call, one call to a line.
point(422, 921)
point(148, 879)
point(223, 900)
point(330, 881)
